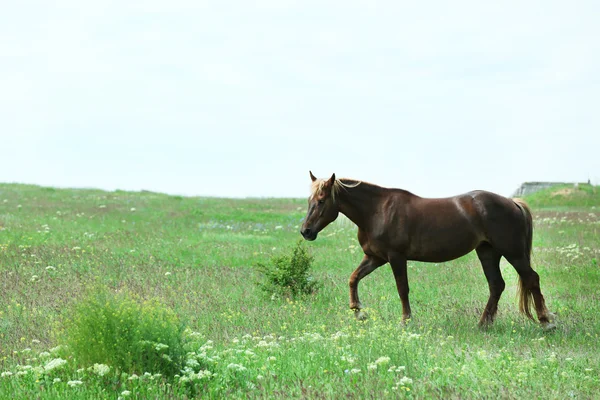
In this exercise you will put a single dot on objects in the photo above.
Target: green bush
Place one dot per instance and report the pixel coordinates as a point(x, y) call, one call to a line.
point(288, 275)
point(129, 335)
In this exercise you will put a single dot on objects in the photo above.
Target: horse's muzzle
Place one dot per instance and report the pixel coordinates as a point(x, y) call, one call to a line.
point(308, 234)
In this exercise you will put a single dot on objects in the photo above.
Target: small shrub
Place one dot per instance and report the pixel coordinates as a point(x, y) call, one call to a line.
point(288, 275)
point(131, 336)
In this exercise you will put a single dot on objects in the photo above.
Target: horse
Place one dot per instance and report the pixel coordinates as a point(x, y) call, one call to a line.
point(395, 226)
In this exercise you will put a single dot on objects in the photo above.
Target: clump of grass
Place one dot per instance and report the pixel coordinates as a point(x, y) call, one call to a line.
point(288, 275)
point(129, 335)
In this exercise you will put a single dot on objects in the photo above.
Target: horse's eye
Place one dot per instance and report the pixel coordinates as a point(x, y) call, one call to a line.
point(321, 201)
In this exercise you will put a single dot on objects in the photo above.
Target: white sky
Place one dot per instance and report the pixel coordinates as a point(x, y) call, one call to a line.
point(243, 98)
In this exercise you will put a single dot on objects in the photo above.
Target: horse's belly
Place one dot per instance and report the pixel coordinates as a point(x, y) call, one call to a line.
point(440, 248)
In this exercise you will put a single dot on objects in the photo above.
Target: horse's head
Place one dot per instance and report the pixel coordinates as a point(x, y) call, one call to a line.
point(322, 208)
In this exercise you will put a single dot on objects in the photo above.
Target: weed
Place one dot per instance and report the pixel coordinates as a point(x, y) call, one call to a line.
point(126, 334)
point(288, 275)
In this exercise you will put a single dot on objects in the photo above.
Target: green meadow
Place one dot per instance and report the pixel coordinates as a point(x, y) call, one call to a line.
point(189, 265)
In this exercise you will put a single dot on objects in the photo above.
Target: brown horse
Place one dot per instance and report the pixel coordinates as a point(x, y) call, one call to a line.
point(395, 226)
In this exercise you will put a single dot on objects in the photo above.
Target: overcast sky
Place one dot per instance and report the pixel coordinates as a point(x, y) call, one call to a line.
point(243, 98)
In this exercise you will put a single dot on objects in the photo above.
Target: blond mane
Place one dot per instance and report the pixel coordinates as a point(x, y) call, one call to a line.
point(318, 186)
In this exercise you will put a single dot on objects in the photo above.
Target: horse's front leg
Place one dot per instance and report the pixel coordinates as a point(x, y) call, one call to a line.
point(398, 264)
point(367, 265)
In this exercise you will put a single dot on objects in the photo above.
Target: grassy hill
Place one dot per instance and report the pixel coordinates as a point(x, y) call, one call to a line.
point(196, 257)
point(566, 196)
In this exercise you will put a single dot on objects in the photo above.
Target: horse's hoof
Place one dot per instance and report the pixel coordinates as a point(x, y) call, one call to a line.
point(361, 315)
point(483, 325)
point(549, 326)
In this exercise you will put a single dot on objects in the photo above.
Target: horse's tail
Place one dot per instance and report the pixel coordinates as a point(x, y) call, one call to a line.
point(524, 294)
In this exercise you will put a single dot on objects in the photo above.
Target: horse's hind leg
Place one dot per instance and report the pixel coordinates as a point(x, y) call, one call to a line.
point(490, 261)
point(530, 287)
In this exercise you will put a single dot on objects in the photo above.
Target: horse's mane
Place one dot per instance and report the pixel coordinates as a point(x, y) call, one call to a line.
point(318, 186)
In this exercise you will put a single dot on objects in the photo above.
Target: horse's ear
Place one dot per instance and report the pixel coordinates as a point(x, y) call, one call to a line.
point(331, 180)
point(312, 177)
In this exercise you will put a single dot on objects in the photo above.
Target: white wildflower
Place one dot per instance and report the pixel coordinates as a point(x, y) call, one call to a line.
point(5, 374)
point(161, 347)
point(192, 363)
point(133, 377)
point(56, 380)
point(339, 335)
point(272, 358)
point(50, 268)
point(393, 368)
point(236, 367)
point(372, 366)
point(34, 278)
point(54, 364)
point(382, 360)
point(125, 393)
point(101, 369)
point(348, 359)
point(354, 371)
point(74, 383)
point(193, 334)
point(405, 381)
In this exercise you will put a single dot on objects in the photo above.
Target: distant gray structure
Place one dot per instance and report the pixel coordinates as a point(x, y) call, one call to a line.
point(528, 188)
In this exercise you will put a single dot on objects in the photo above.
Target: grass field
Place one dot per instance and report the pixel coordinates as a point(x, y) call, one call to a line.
point(196, 257)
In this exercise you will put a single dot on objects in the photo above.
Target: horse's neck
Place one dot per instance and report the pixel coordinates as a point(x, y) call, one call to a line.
point(359, 203)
